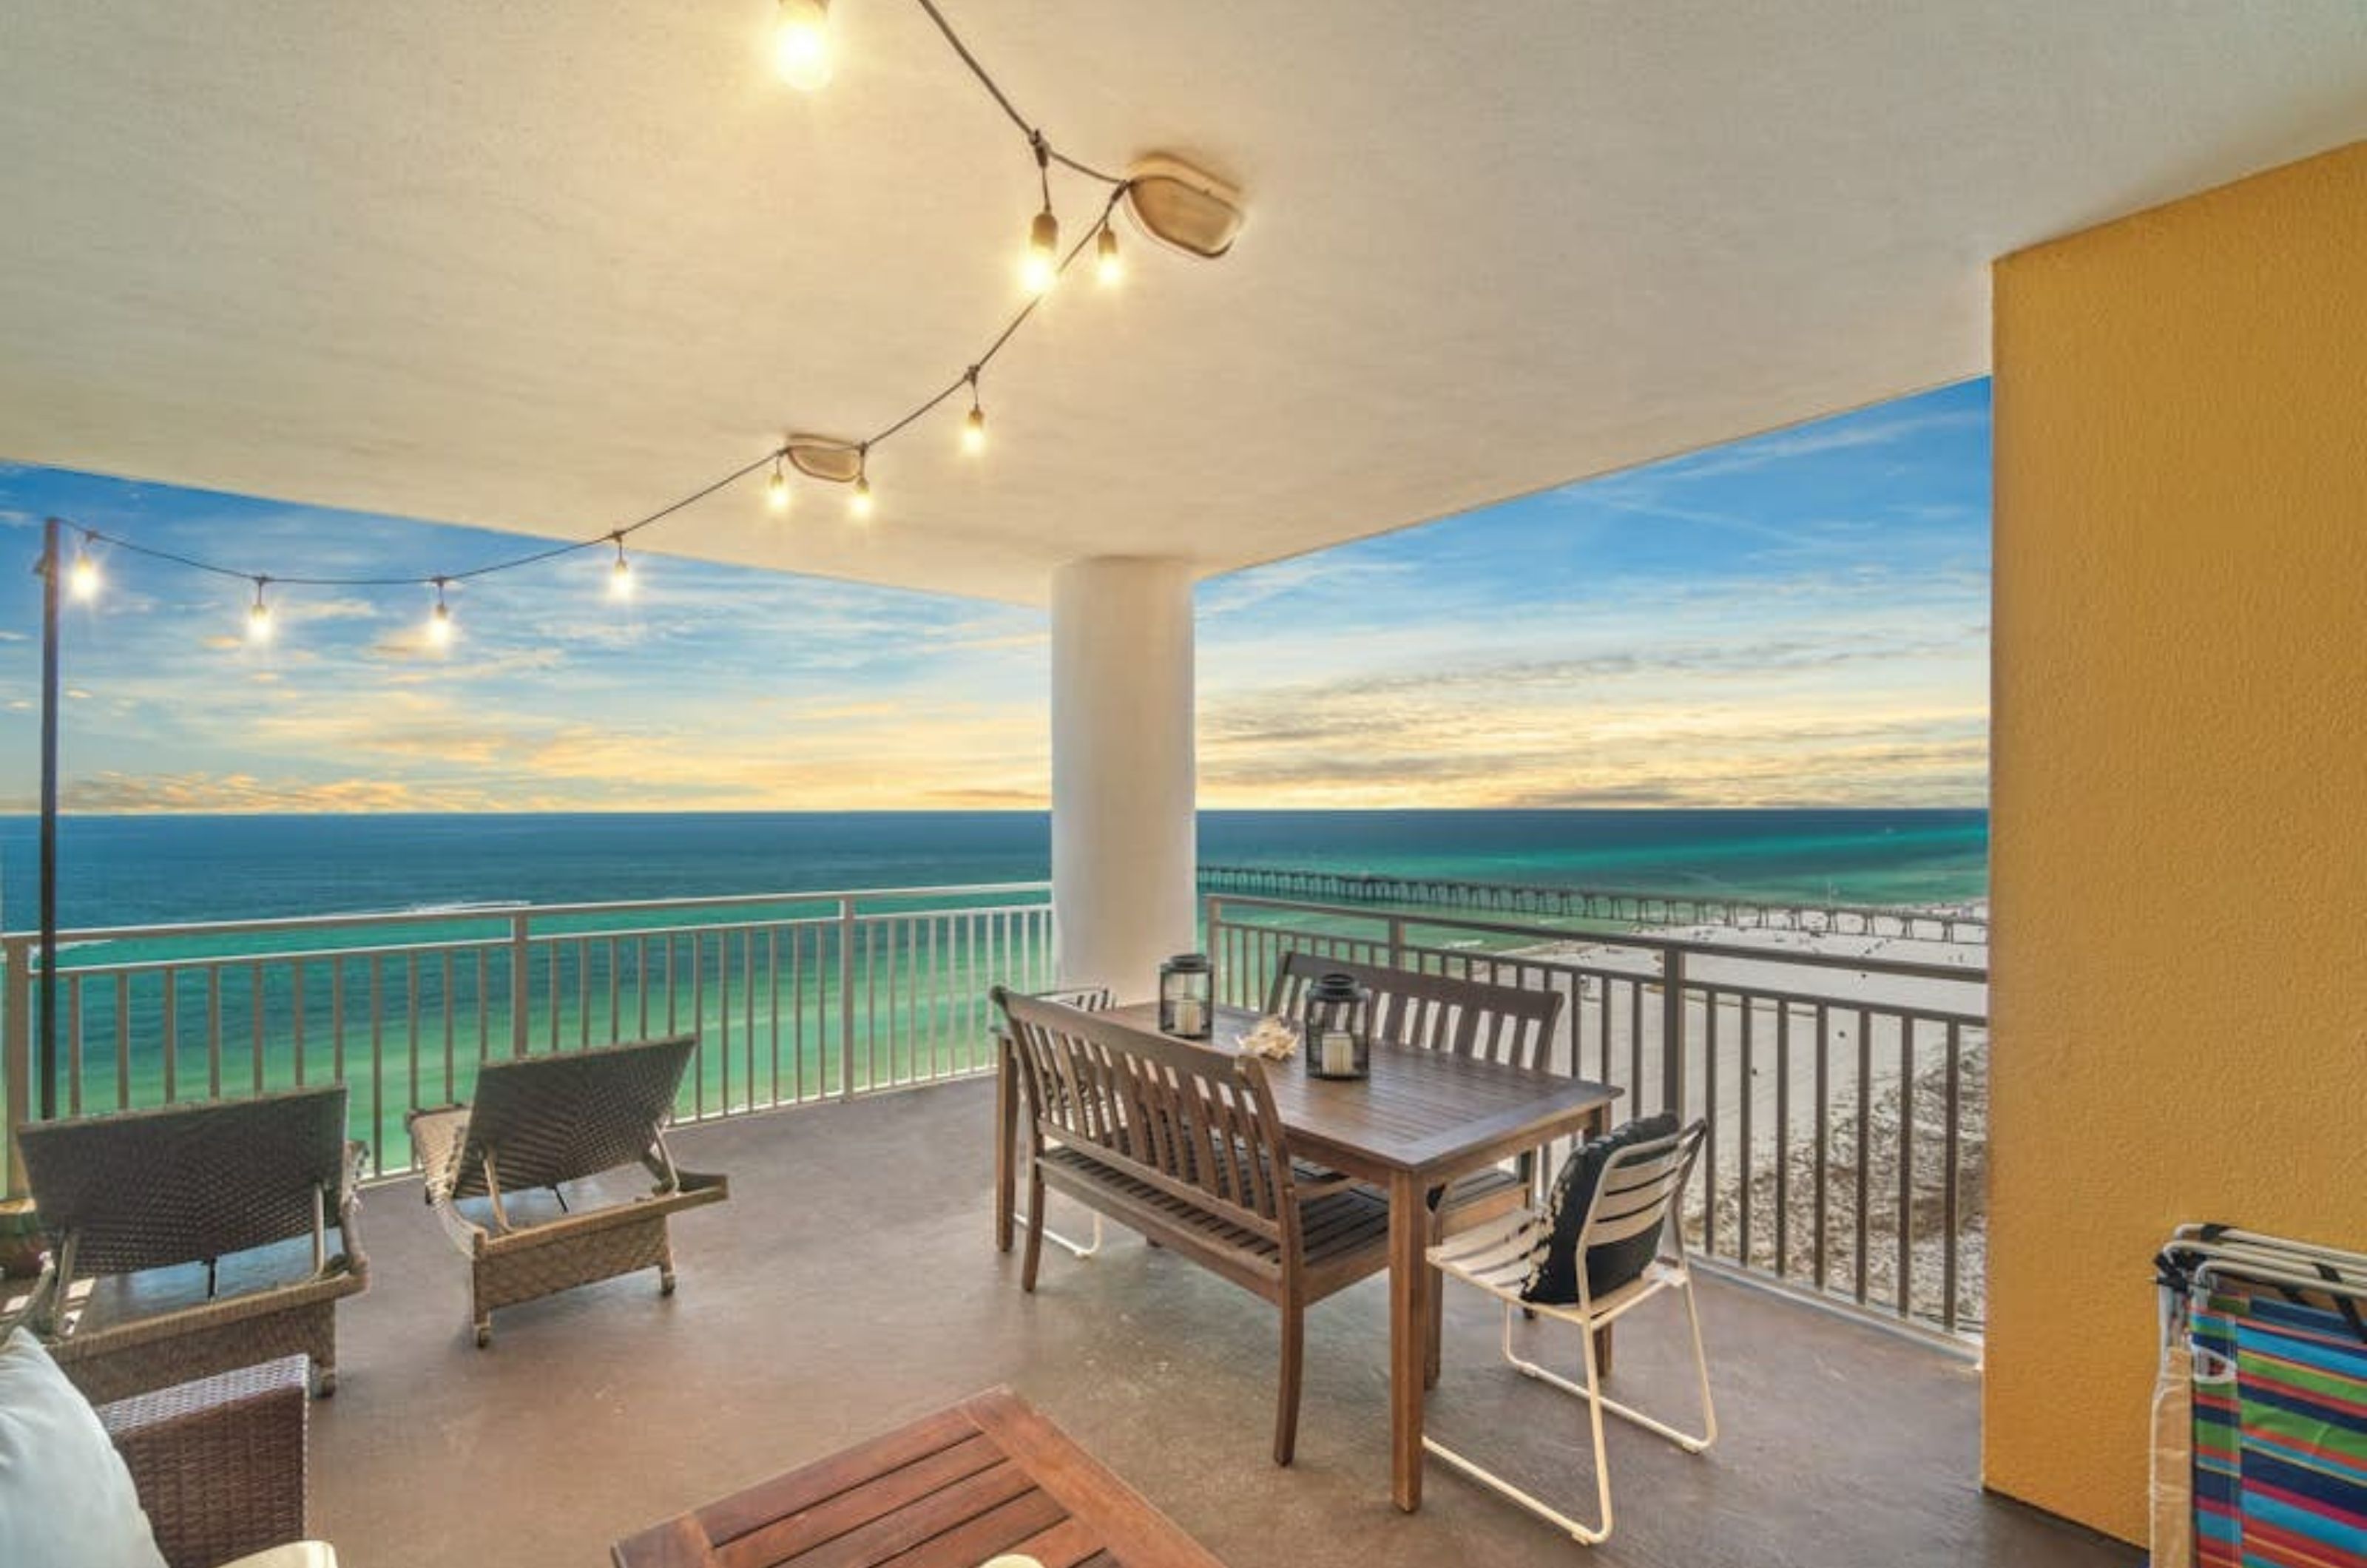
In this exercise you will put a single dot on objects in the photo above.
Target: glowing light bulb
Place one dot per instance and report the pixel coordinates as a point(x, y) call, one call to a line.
point(858, 504)
point(1042, 267)
point(620, 577)
point(802, 44)
point(258, 616)
point(82, 577)
point(974, 430)
point(776, 489)
point(1106, 267)
point(440, 622)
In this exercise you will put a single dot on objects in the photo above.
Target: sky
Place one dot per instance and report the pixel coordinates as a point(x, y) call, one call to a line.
point(1796, 619)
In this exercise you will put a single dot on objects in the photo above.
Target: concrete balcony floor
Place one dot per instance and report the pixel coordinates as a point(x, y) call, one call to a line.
point(851, 1284)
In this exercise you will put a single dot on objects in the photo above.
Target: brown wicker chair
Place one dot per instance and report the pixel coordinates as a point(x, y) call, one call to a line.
point(541, 1122)
point(219, 1462)
point(144, 1207)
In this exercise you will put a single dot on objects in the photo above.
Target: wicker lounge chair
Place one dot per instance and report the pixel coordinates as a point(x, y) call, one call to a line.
point(541, 1122)
point(222, 1196)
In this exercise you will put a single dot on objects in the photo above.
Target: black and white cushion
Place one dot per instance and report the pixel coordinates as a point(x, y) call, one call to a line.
point(1553, 1263)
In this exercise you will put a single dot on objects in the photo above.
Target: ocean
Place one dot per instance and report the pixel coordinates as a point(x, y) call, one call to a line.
point(788, 1004)
point(126, 871)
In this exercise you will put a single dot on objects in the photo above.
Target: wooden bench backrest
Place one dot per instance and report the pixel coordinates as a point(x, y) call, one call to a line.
point(1434, 1013)
point(1195, 1122)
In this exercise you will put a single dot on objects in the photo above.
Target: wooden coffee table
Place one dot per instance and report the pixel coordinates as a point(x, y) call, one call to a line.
point(949, 1491)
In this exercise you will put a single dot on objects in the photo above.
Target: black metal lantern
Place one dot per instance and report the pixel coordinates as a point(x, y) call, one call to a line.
point(1339, 1028)
point(1187, 997)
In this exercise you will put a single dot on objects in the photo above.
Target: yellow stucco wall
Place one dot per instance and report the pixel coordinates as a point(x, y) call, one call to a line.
point(2179, 794)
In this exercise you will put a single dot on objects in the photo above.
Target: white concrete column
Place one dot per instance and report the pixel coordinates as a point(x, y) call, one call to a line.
point(1123, 848)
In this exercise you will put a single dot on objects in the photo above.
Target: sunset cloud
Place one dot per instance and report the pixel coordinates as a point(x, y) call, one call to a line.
point(1793, 620)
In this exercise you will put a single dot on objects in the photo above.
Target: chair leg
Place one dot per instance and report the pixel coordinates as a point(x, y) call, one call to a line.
point(1033, 1257)
point(1285, 1404)
point(665, 1265)
point(1077, 1249)
point(1691, 1442)
point(1602, 1453)
point(1591, 1391)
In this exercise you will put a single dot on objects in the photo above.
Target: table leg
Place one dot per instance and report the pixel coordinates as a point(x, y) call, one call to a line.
point(1006, 1134)
point(1408, 1334)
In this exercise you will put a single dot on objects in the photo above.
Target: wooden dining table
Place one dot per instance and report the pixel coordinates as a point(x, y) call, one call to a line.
point(1423, 1119)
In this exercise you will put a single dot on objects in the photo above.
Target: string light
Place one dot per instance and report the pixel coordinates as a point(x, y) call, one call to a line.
point(802, 44)
point(858, 501)
point(974, 426)
point(82, 577)
point(620, 576)
point(1041, 268)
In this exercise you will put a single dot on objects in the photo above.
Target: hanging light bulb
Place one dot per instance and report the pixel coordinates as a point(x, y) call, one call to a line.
point(439, 621)
point(620, 576)
point(1106, 266)
point(776, 488)
point(858, 501)
point(1042, 267)
point(974, 427)
point(802, 44)
point(82, 577)
point(258, 615)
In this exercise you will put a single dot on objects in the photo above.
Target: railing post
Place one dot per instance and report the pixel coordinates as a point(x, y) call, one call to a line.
point(1672, 1030)
point(1210, 920)
point(846, 999)
point(1397, 942)
point(16, 1054)
point(521, 991)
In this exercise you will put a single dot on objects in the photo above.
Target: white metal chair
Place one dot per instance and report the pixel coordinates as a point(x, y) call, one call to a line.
point(1634, 1197)
point(1086, 999)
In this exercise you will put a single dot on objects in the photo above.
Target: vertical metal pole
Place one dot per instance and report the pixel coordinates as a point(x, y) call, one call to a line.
point(846, 999)
point(521, 997)
point(49, 994)
point(1672, 1030)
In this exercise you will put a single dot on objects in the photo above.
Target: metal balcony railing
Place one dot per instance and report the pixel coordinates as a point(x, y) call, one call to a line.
point(1846, 1095)
point(794, 998)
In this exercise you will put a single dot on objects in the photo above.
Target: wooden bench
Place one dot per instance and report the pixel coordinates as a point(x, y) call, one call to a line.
point(1182, 1143)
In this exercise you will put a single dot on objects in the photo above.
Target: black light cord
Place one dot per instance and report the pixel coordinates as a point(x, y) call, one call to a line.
point(1026, 127)
point(1045, 154)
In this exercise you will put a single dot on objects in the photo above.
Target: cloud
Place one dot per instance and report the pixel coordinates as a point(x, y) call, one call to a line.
point(243, 793)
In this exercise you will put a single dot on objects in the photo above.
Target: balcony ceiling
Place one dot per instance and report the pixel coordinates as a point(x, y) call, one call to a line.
point(547, 267)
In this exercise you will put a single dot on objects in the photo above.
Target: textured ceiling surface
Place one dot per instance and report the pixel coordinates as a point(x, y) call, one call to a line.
point(546, 266)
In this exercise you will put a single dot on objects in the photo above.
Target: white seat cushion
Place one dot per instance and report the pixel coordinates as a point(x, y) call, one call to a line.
point(295, 1554)
point(66, 1500)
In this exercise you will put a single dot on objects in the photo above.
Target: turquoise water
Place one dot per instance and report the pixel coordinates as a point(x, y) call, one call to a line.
point(120, 871)
point(407, 1027)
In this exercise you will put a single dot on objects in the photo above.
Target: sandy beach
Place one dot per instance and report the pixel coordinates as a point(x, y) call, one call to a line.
point(1876, 1021)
